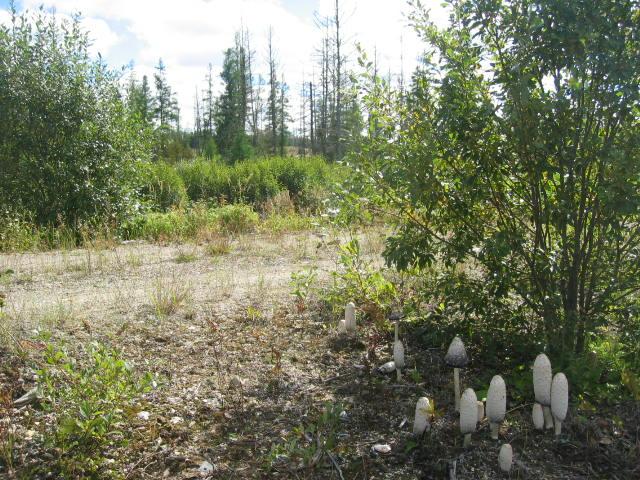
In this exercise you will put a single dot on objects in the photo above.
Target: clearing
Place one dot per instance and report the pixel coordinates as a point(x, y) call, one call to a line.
point(241, 368)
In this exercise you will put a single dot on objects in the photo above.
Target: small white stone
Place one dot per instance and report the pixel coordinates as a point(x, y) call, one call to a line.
point(205, 467)
point(143, 415)
point(176, 420)
point(381, 448)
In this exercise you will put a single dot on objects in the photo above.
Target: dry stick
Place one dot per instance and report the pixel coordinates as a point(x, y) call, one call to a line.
point(335, 464)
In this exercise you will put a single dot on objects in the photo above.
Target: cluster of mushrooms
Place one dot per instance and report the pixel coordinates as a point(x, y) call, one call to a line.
point(549, 409)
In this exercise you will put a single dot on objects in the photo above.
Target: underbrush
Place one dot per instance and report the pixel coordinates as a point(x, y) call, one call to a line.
point(439, 304)
point(89, 401)
point(257, 181)
point(202, 223)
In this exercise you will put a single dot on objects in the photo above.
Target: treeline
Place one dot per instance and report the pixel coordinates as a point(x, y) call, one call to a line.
point(252, 115)
point(78, 146)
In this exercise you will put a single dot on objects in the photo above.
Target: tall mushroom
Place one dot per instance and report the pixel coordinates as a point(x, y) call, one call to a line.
point(559, 400)
point(456, 357)
point(468, 414)
point(421, 419)
point(542, 386)
point(398, 352)
point(350, 317)
point(505, 458)
point(496, 404)
point(537, 416)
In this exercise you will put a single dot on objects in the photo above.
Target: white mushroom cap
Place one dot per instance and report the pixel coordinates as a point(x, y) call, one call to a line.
point(398, 354)
point(468, 411)
point(538, 416)
point(497, 400)
point(456, 354)
point(505, 457)
point(421, 419)
point(542, 379)
point(342, 326)
point(559, 396)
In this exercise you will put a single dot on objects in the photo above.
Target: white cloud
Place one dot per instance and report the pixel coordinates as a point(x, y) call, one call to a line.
point(192, 33)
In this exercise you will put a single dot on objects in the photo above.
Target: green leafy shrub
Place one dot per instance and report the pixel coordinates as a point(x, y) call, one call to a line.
point(162, 186)
point(67, 143)
point(237, 218)
point(192, 223)
point(257, 181)
point(90, 399)
point(358, 281)
point(493, 163)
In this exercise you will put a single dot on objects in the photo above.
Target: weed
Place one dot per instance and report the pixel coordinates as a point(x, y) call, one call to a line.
point(7, 433)
point(358, 281)
point(237, 219)
point(58, 316)
point(310, 443)
point(218, 246)
point(186, 256)
point(168, 296)
point(90, 400)
point(301, 284)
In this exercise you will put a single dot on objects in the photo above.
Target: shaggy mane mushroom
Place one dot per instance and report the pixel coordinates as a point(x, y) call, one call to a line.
point(468, 414)
point(496, 404)
point(421, 418)
point(559, 400)
point(456, 357)
point(542, 386)
point(350, 317)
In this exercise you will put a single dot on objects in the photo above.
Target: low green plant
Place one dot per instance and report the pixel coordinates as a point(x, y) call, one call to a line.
point(186, 256)
point(277, 223)
point(217, 246)
point(302, 283)
point(168, 296)
point(357, 280)
point(162, 186)
point(89, 399)
point(309, 443)
point(237, 218)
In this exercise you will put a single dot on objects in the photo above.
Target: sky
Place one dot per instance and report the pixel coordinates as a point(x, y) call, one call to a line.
point(190, 34)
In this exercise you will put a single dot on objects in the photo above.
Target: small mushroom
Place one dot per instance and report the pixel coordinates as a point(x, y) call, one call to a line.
point(350, 317)
point(421, 419)
point(496, 404)
point(505, 458)
point(538, 416)
point(559, 400)
point(480, 410)
point(398, 353)
point(542, 386)
point(456, 357)
point(468, 414)
point(342, 326)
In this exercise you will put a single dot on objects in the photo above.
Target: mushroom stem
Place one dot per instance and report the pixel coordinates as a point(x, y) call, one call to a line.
point(398, 374)
point(495, 428)
point(558, 427)
point(467, 440)
point(548, 418)
point(456, 387)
